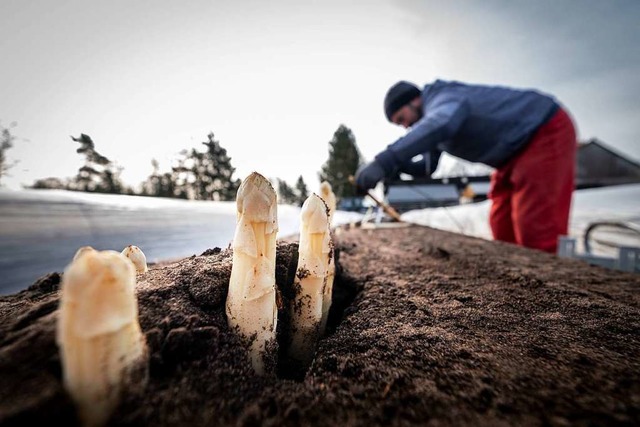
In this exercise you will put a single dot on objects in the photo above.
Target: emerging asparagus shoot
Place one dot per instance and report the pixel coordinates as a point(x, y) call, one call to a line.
point(103, 350)
point(330, 199)
point(83, 250)
point(251, 301)
point(137, 257)
point(313, 261)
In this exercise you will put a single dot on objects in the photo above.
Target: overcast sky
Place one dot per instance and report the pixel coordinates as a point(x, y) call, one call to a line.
point(274, 80)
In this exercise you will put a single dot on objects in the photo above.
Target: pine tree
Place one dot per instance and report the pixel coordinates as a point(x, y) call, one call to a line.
point(163, 184)
point(169, 188)
point(286, 194)
point(98, 174)
point(301, 191)
point(6, 142)
point(207, 175)
point(50, 183)
point(343, 162)
point(182, 175)
point(152, 185)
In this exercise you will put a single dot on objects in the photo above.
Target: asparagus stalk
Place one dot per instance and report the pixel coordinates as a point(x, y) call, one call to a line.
point(330, 199)
point(313, 262)
point(103, 350)
point(137, 257)
point(251, 301)
point(82, 251)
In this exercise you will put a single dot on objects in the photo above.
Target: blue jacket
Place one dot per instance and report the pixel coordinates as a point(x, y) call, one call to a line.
point(485, 124)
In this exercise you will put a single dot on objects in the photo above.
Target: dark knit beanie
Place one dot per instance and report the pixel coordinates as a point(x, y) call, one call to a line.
point(399, 95)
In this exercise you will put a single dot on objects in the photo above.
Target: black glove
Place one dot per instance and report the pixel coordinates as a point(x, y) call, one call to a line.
point(367, 176)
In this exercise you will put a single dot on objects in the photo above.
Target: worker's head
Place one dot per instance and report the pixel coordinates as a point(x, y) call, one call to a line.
point(402, 104)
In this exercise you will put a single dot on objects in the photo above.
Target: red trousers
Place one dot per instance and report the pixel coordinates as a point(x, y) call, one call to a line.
point(531, 193)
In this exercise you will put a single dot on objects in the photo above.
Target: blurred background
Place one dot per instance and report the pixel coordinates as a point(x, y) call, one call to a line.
point(133, 122)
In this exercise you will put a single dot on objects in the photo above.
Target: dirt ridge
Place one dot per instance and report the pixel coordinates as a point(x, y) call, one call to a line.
point(429, 328)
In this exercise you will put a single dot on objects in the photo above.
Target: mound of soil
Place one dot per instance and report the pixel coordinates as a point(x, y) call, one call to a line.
point(427, 328)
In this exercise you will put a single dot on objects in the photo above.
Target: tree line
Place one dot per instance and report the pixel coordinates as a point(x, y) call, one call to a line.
point(201, 173)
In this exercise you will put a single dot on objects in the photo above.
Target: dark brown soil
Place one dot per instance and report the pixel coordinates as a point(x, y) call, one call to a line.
point(427, 328)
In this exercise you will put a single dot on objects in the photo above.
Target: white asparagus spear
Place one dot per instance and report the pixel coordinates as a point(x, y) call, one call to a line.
point(103, 350)
point(251, 301)
point(137, 257)
point(329, 198)
point(314, 253)
point(83, 250)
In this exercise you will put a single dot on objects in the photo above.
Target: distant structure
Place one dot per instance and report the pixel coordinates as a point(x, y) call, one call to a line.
point(436, 192)
point(597, 165)
point(410, 195)
point(352, 204)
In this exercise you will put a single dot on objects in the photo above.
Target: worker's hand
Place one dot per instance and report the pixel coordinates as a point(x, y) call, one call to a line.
point(368, 176)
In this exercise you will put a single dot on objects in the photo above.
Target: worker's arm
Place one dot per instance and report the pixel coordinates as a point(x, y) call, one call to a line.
point(442, 120)
point(443, 117)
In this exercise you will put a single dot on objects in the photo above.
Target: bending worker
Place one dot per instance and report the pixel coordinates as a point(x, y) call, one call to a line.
point(525, 135)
